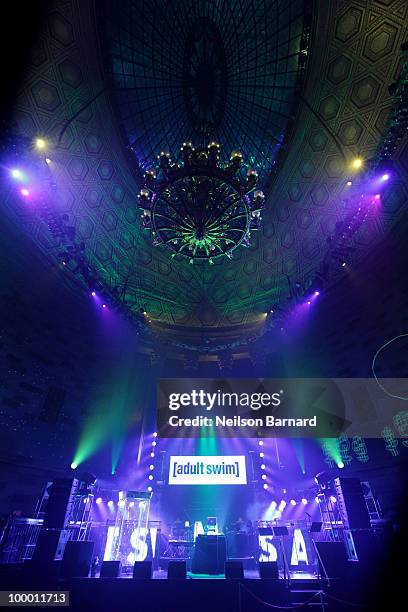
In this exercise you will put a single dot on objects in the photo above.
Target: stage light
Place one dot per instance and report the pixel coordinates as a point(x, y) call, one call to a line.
point(317, 293)
point(357, 163)
point(40, 143)
point(74, 465)
point(293, 502)
point(121, 503)
point(131, 504)
point(343, 264)
point(260, 442)
point(152, 455)
point(98, 500)
point(151, 467)
point(155, 434)
point(385, 177)
point(261, 455)
point(265, 485)
point(263, 476)
point(25, 192)
point(323, 479)
point(317, 499)
point(103, 305)
point(333, 499)
point(150, 489)
point(154, 443)
point(349, 183)
point(282, 505)
point(150, 476)
point(17, 174)
point(47, 160)
point(340, 465)
point(309, 302)
point(85, 500)
point(304, 501)
point(377, 196)
point(263, 466)
point(110, 503)
point(93, 293)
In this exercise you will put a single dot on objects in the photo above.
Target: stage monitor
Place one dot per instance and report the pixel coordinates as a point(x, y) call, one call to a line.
point(207, 470)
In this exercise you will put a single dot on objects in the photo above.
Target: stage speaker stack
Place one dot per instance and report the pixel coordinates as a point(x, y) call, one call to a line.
point(54, 535)
point(177, 570)
point(234, 570)
point(359, 538)
point(268, 570)
point(50, 544)
point(332, 559)
point(110, 569)
point(210, 555)
point(143, 570)
point(351, 503)
point(238, 545)
point(77, 559)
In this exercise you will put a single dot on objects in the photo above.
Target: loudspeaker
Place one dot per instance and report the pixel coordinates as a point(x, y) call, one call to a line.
point(60, 502)
point(77, 559)
point(110, 569)
point(50, 545)
point(268, 570)
point(361, 545)
point(143, 570)
point(333, 557)
point(238, 545)
point(210, 554)
point(177, 570)
point(234, 570)
point(351, 503)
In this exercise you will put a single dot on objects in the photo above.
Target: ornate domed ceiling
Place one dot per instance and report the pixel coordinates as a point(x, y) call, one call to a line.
point(153, 74)
point(200, 71)
point(197, 71)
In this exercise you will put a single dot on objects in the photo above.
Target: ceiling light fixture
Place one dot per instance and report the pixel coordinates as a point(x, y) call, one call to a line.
point(199, 207)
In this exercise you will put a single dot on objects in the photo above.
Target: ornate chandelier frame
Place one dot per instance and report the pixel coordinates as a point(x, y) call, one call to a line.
point(199, 207)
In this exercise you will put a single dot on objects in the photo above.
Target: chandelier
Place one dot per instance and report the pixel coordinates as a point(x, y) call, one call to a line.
point(199, 207)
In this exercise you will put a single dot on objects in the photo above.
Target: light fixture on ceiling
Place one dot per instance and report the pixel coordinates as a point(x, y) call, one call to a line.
point(199, 207)
point(357, 163)
point(41, 144)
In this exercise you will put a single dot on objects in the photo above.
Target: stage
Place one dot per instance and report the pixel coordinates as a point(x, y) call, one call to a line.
point(196, 592)
point(179, 542)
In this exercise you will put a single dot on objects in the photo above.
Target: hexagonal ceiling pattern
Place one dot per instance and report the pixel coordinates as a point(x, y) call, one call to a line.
point(355, 55)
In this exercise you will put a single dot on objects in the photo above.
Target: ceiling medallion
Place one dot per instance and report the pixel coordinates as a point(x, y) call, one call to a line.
point(199, 207)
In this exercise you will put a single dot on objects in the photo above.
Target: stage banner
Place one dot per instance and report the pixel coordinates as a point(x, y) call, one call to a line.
point(272, 407)
point(207, 470)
